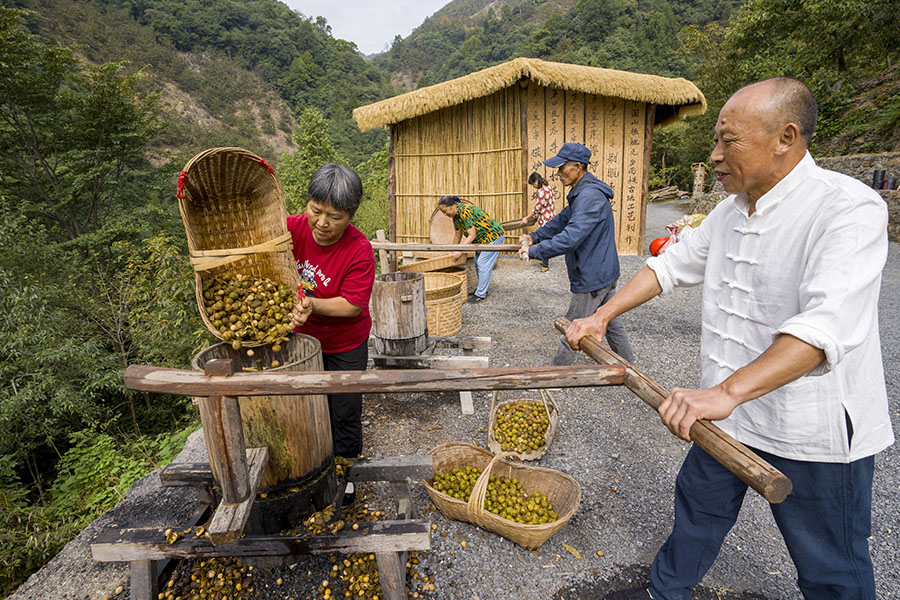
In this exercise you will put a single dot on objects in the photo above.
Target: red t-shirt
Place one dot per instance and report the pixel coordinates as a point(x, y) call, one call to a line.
point(345, 268)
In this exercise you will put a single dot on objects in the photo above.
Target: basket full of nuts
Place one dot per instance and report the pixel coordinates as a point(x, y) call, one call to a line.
point(235, 219)
point(524, 427)
point(523, 503)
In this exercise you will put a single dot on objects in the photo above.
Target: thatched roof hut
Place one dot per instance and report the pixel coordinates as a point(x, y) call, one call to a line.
point(480, 137)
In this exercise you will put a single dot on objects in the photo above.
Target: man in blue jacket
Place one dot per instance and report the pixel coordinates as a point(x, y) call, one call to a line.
point(585, 232)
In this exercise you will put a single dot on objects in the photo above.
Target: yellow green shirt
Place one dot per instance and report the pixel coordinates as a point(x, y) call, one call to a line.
point(487, 229)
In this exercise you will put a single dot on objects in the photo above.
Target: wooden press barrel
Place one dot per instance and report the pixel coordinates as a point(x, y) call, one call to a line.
point(398, 314)
point(295, 429)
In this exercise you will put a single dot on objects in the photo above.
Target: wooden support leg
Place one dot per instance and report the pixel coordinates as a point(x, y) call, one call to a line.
point(404, 506)
point(465, 398)
point(144, 580)
point(392, 574)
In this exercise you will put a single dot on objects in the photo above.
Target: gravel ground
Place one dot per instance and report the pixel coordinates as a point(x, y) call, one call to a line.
point(610, 441)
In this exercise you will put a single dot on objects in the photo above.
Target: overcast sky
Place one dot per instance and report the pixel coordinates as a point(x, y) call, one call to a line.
point(371, 24)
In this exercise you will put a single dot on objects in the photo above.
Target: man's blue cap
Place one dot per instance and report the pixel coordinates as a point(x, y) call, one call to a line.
point(569, 151)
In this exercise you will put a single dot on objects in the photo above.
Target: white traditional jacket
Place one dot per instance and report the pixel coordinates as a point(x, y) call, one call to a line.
point(807, 263)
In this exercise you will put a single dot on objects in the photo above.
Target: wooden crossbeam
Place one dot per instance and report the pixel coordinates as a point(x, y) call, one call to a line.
point(285, 383)
point(227, 524)
point(133, 544)
point(392, 468)
point(431, 361)
point(410, 247)
point(462, 342)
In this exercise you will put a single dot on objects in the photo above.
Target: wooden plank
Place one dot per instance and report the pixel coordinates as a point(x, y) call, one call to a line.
point(144, 580)
point(194, 383)
point(393, 468)
point(771, 483)
point(466, 406)
point(227, 524)
point(392, 575)
point(128, 544)
point(405, 246)
point(463, 343)
point(179, 474)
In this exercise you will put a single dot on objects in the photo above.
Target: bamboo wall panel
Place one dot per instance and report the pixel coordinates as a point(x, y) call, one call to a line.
point(594, 110)
point(630, 227)
point(614, 147)
point(472, 150)
point(555, 137)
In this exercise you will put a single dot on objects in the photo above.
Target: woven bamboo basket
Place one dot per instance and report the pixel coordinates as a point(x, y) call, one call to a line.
point(235, 219)
point(560, 489)
point(443, 316)
point(552, 412)
point(441, 285)
point(433, 264)
point(462, 272)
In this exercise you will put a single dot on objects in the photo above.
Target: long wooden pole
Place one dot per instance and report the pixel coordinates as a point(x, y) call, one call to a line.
point(380, 245)
point(771, 483)
point(283, 383)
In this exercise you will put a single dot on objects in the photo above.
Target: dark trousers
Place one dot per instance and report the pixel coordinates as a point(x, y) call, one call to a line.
point(346, 409)
point(825, 521)
point(584, 305)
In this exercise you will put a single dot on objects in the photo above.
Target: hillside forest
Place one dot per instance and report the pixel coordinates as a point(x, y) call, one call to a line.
point(102, 102)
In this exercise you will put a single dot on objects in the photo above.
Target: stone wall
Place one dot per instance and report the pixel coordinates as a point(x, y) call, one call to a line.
point(859, 166)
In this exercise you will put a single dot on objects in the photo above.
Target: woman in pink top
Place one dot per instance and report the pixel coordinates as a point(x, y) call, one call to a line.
point(544, 207)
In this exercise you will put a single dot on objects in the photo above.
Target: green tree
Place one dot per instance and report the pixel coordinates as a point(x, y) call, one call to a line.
point(72, 136)
point(314, 149)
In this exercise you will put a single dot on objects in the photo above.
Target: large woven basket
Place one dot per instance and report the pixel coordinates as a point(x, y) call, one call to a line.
point(462, 271)
point(235, 220)
point(444, 315)
point(441, 285)
point(560, 489)
point(552, 412)
point(433, 264)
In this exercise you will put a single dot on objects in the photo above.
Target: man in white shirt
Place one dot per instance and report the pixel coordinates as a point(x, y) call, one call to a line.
point(791, 359)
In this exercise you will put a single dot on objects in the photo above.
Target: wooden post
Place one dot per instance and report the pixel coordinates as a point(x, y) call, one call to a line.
point(144, 580)
point(771, 483)
point(225, 434)
point(383, 258)
point(392, 194)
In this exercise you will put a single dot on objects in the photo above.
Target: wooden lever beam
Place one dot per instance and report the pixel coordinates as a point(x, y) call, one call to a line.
point(404, 246)
point(771, 483)
point(285, 383)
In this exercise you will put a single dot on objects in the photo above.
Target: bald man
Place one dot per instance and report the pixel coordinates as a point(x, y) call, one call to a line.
point(791, 363)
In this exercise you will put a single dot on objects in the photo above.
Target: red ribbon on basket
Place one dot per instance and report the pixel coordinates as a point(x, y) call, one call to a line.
point(268, 167)
point(179, 193)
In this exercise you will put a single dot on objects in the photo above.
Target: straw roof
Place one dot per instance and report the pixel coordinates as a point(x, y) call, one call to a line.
point(675, 98)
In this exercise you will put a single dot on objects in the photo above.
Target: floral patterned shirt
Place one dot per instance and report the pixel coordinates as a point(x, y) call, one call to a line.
point(544, 205)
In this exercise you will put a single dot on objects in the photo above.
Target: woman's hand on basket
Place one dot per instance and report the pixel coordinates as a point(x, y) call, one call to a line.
point(301, 312)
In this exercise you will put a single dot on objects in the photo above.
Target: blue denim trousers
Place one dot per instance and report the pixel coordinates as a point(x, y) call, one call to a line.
point(484, 266)
point(825, 522)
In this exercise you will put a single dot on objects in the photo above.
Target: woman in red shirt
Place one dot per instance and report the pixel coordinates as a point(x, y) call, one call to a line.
point(544, 207)
point(337, 270)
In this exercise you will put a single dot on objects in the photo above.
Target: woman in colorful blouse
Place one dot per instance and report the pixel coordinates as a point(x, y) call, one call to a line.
point(337, 272)
point(480, 228)
point(544, 207)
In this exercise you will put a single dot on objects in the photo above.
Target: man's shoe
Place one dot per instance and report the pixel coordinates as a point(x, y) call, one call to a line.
point(349, 494)
point(474, 299)
point(544, 269)
point(629, 594)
